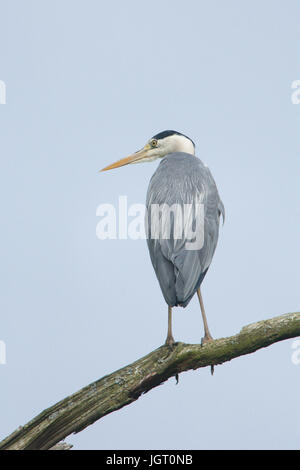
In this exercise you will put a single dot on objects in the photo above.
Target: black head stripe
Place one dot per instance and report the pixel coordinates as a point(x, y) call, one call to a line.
point(164, 134)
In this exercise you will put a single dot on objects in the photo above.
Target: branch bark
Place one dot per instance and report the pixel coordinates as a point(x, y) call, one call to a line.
point(126, 385)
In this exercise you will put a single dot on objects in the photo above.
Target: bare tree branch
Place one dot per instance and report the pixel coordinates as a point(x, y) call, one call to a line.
point(126, 385)
point(62, 446)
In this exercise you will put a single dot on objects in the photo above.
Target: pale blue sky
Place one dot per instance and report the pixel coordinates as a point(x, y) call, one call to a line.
point(87, 83)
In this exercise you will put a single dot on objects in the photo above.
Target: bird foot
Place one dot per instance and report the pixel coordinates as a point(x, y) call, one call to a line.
point(206, 339)
point(170, 342)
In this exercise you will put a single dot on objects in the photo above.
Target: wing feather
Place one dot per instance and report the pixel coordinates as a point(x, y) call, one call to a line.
point(182, 179)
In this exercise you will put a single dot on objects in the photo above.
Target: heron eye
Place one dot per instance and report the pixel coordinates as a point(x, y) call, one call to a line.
point(154, 143)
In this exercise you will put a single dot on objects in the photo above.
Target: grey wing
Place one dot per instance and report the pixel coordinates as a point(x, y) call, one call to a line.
point(164, 270)
point(179, 269)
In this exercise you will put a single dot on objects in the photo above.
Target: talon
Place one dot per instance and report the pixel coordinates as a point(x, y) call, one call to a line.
point(170, 342)
point(206, 339)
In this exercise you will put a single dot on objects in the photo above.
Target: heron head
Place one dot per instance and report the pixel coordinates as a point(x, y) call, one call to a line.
point(158, 146)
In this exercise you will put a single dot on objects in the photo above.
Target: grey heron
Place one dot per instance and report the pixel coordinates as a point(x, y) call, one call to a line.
point(182, 181)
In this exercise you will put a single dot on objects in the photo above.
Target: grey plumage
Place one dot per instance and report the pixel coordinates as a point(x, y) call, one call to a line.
point(182, 178)
point(182, 219)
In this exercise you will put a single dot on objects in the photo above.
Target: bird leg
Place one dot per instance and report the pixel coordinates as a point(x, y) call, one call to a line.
point(207, 335)
point(170, 340)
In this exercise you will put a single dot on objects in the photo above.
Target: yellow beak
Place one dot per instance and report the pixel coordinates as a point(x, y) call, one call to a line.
point(134, 158)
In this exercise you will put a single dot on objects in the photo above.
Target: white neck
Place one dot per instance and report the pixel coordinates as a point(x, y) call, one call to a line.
point(178, 143)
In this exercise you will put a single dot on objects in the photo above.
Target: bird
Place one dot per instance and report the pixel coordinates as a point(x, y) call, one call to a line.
point(184, 189)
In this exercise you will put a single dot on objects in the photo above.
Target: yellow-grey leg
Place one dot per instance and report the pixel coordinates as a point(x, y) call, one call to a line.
point(170, 340)
point(207, 336)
